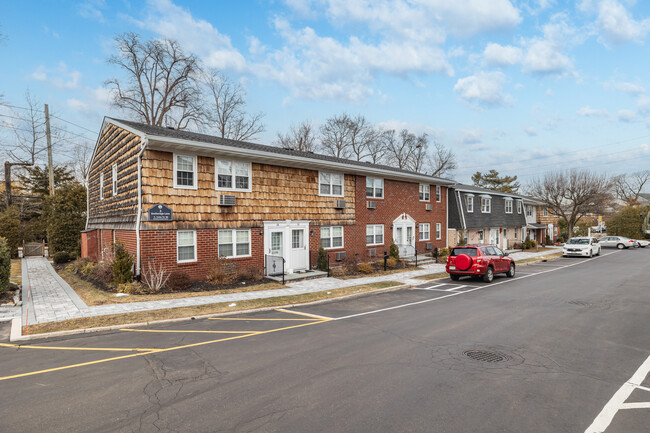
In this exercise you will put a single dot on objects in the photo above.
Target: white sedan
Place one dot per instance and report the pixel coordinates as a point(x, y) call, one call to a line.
point(642, 243)
point(582, 247)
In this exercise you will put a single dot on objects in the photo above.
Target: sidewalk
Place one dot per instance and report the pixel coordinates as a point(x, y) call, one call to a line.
point(48, 298)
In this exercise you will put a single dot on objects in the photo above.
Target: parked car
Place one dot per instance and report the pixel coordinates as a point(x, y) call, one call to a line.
point(619, 242)
point(581, 246)
point(479, 261)
point(642, 243)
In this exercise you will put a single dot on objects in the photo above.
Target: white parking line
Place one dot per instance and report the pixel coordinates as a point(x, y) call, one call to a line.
point(455, 288)
point(430, 288)
point(509, 280)
point(617, 402)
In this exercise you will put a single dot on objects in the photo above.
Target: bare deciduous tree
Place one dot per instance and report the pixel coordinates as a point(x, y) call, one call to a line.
point(350, 137)
point(226, 109)
point(300, 137)
point(443, 159)
point(81, 163)
point(407, 151)
point(162, 83)
point(335, 137)
point(628, 187)
point(572, 194)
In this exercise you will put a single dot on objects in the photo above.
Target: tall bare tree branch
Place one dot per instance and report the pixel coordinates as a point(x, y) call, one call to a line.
point(443, 160)
point(628, 187)
point(299, 137)
point(162, 83)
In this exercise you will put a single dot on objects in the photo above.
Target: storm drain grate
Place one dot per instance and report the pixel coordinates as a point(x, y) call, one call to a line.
point(485, 356)
point(581, 303)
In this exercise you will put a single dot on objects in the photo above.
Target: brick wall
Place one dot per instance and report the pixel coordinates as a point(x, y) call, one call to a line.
point(159, 246)
point(90, 245)
point(105, 242)
point(128, 239)
point(399, 197)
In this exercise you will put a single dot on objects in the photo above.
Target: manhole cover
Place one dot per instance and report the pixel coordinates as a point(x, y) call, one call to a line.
point(581, 303)
point(485, 356)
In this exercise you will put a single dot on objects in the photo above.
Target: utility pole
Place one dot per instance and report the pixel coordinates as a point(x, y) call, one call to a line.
point(8, 182)
point(49, 149)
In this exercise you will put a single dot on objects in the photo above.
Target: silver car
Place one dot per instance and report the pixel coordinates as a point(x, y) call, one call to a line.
point(619, 242)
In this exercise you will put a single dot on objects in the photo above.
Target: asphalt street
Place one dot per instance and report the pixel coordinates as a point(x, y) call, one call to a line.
point(562, 347)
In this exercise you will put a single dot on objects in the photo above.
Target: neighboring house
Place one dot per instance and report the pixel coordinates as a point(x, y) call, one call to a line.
point(535, 230)
point(548, 217)
point(482, 216)
point(180, 199)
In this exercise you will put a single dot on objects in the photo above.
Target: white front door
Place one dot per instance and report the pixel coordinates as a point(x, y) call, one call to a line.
point(286, 240)
point(404, 235)
point(494, 237)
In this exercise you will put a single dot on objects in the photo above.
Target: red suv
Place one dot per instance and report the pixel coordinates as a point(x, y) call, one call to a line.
point(479, 260)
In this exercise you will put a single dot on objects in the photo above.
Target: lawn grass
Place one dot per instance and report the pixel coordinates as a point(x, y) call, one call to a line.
point(199, 310)
point(16, 275)
point(91, 295)
point(432, 276)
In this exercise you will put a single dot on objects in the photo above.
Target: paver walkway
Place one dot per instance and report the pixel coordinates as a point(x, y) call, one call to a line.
point(48, 298)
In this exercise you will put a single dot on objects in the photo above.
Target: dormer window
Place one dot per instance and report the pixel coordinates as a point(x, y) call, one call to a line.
point(486, 204)
point(469, 201)
point(508, 205)
point(519, 207)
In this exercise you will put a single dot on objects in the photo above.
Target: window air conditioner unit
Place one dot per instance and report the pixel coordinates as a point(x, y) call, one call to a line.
point(429, 246)
point(227, 200)
point(340, 256)
point(372, 252)
point(371, 205)
point(340, 204)
point(429, 206)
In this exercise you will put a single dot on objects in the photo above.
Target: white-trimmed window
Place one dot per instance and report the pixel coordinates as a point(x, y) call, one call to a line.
point(480, 235)
point(516, 230)
point(185, 246)
point(425, 231)
point(486, 205)
point(101, 186)
point(330, 184)
point(508, 205)
point(114, 179)
point(545, 211)
point(425, 192)
point(235, 243)
point(438, 231)
point(232, 175)
point(185, 172)
point(529, 211)
point(374, 187)
point(331, 237)
point(438, 193)
point(470, 203)
point(519, 207)
point(375, 234)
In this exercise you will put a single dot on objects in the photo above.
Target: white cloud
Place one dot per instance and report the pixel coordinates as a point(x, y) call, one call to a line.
point(60, 77)
point(587, 111)
point(643, 104)
point(626, 115)
point(531, 131)
point(195, 35)
point(630, 88)
point(545, 55)
point(615, 23)
point(500, 55)
point(484, 88)
point(92, 9)
point(471, 136)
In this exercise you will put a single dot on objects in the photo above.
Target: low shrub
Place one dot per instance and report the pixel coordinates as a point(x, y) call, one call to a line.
point(131, 288)
point(61, 257)
point(102, 272)
point(350, 263)
point(77, 266)
point(250, 274)
point(393, 251)
point(178, 280)
point(122, 266)
point(221, 271)
point(5, 265)
point(337, 271)
point(391, 263)
point(322, 259)
point(87, 269)
point(154, 277)
point(365, 268)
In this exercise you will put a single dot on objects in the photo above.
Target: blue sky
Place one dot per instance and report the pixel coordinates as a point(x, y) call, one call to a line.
point(523, 87)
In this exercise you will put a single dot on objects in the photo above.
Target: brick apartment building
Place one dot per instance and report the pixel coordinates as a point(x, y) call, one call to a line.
point(181, 199)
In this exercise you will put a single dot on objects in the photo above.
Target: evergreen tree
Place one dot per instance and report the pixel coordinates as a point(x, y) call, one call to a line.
point(36, 180)
point(66, 218)
point(492, 180)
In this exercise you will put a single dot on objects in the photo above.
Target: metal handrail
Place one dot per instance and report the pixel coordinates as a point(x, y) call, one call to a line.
point(274, 263)
point(407, 248)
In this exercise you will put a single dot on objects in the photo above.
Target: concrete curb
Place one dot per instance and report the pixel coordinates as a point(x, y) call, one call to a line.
point(16, 328)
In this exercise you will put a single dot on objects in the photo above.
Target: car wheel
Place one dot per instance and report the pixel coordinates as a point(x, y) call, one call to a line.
point(598, 252)
point(511, 272)
point(454, 277)
point(489, 275)
point(620, 246)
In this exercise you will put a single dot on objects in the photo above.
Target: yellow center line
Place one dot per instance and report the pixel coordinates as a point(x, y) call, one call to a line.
point(109, 349)
point(32, 373)
point(239, 318)
point(190, 331)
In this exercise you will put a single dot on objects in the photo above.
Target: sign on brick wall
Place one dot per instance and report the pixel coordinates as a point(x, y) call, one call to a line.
point(160, 212)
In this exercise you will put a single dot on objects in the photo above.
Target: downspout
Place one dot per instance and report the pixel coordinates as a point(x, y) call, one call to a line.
point(447, 218)
point(138, 220)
